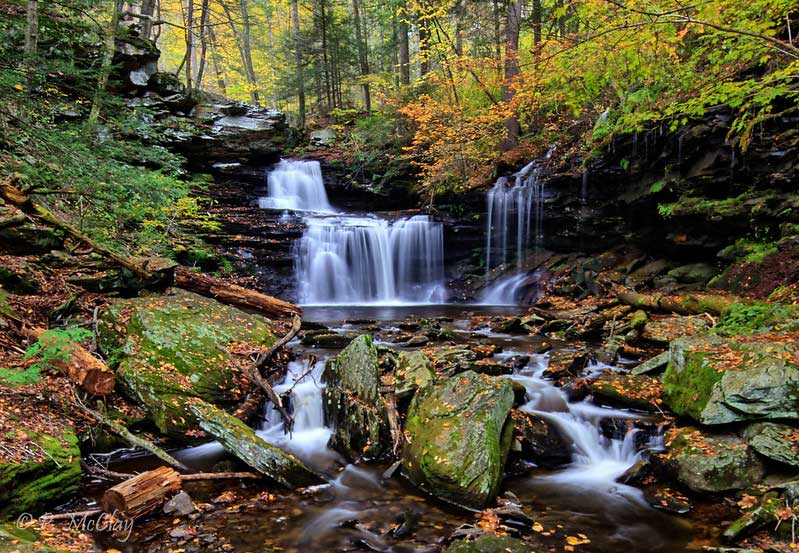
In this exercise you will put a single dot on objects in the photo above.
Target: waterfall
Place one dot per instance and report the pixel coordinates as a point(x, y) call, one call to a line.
point(515, 216)
point(297, 186)
point(596, 459)
point(370, 260)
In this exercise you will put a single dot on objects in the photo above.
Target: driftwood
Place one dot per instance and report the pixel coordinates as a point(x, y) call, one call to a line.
point(131, 438)
point(198, 476)
point(397, 437)
point(233, 294)
point(83, 368)
point(71, 515)
point(141, 494)
point(689, 304)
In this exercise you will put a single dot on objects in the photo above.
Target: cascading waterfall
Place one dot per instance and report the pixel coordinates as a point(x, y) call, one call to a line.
point(515, 216)
point(596, 459)
point(371, 260)
point(296, 186)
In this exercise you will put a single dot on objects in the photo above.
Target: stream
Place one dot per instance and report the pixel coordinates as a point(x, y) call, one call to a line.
point(364, 273)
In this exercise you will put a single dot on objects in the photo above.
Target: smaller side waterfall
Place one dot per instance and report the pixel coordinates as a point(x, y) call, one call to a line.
point(515, 216)
point(370, 260)
point(297, 186)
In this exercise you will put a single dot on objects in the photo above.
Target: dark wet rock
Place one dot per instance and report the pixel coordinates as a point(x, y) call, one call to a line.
point(518, 325)
point(718, 381)
point(450, 360)
point(694, 273)
point(634, 391)
point(20, 280)
point(414, 370)
point(135, 61)
point(352, 401)
point(668, 500)
point(762, 513)
point(181, 504)
point(565, 363)
point(489, 543)
point(519, 393)
point(30, 239)
point(166, 350)
point(654, 365)
point(539, 440)
point(416, 341)
point(555, 325)
point(518, 361)
point(706, 462)
point(459, 439)
point(645, 429)
point(44, 476)
point(327, 339)
point(778, 442)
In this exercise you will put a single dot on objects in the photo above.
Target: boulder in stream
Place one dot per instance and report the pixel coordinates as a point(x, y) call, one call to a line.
point(778, 442)
point(719, 381)
point(490, 543)
point(459, 435)
point(352, 401)
point(711, 463)
point(413, 371)
point(539, 440)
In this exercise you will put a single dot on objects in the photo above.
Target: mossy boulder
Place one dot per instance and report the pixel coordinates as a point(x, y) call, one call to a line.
point(634, 391)
point(718, 381)
point(414, 370)
point(166, 350)
point(459, 435)
point(662, 330)
point(352, 401)
point(451, 360)
point(40, 475)
point(706, 462)
point(778, 442)
point(490, 543)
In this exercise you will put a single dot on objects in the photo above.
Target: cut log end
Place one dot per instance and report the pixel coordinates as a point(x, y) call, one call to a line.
point(141, 494)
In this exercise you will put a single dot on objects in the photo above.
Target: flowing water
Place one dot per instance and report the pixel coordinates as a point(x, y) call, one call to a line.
point(296, 186)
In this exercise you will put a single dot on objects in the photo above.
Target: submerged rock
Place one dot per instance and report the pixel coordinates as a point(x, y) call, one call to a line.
point(352, 401)
point(458, 439)
point(718, 381)
point(711, 462)
point(167, 350)
point(779, 442)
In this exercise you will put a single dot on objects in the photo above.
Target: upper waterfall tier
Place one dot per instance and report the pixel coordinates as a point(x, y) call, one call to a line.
point(370, 260)
point(298, 186)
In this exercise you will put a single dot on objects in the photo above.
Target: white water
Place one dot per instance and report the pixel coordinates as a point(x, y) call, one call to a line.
point(296, 186)
point(366, 260)
point(504, 291)
point(597, 461)
point(515, 216)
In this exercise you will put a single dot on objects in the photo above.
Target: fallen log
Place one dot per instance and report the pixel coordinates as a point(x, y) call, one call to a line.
point(688, 304)
point(83, 368)
point(131, 438)
point(141, 494)
point(233, 294)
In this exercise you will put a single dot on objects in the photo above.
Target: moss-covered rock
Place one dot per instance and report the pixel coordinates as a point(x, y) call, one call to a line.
point(451, 360)
point(628, 390)
point(779, 442)
point(414, 370)
point(707, 462)
point(352, 401)
point(43, 474)
point(459, 439)
point(489, 543)
point(166, 349)
point(663, 330)
point(718, 381)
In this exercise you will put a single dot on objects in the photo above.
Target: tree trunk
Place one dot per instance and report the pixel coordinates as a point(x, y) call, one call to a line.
point(147, 9)
point(203, 42)
point(232, 294)
point(270, 41)
point(688, 304)
point(295, 18)
point(329, 95)
point(83, 368)
point(404, 47)
point(31, 36)
point(424, 44)
point(141, 494)
point(363, 59)
point(246, 48)
point(512, 27)
point(108, 58)
point(537, 22)
point(220, 76)
point(246, 60)
point(189, 45)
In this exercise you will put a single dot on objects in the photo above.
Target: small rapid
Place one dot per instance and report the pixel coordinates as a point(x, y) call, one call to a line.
point(296, 186)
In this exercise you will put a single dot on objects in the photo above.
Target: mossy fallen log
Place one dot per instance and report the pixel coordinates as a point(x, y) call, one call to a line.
point(685, 304)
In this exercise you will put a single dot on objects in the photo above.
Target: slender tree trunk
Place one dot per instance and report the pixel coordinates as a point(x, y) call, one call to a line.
point(404, 46)
point(189, 45)
point(148, 9)
point(512, 27)
point(108, 58)
point(458, 14)
point(246, 48)
point(424, 45)
point(203, 42)
point(537, 21)
point(244, 52)
point(31, 37)
point(363, 59)
point(295, 18)
point(270, 42)
point(325, 60)
point(497, 31)
point(220, 76)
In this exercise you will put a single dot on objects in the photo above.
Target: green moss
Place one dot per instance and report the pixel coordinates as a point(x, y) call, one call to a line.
point(489, 543)
point(748, 318)
point(638, 320)
point(689, 380)
point(32, 486)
